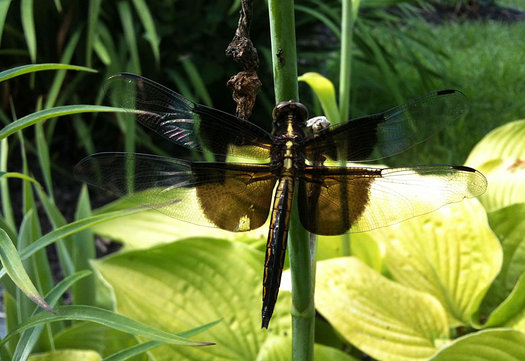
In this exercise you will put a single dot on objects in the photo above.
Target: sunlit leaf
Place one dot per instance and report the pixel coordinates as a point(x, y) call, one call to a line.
point(386, 320)
point(152, 227)
point(67, 230)
point(451, 254)
point(29, 337)
point(106, 318)
point(67, 355)
point(487, 345)
point(14, 268)
point(324, 90)
point(509, 225)
point(500, 155)
point(280, 349)
point(195, 281)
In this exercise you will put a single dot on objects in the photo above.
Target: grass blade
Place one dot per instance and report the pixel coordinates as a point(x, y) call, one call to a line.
point(70, 229)
point(31, 68)
point(42, 115)
point(83, 252)
point(28, 338)
point(94, 10)
point(129, 32)
point(106, 318)
point(149, 26)
point(28, 23)
point(5, 196)
point(4, 6)
point(14, 268)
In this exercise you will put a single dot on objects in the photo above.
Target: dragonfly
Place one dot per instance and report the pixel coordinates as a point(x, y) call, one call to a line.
point(244, 174)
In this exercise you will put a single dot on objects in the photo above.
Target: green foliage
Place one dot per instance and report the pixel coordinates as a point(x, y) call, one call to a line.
point(25, 266)
point(431, 288)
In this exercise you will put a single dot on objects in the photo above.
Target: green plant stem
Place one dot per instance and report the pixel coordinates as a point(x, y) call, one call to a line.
point(346, 60)
point(284, 58)
point(345, 72)
point(284, 55)
point(303, 309)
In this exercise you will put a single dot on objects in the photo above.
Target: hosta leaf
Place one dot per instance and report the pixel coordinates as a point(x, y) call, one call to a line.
point(506, 294)
point(195, 281)
point(500, 156)
point(67, 355)
point(487, 345)
point(280, 349)
point(451, 254)
point(152, 227)
point(384, 319)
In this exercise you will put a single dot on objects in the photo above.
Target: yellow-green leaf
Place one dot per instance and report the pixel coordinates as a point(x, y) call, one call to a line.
point(500, 156)
point(386, 320)
point(451, 254)
point(67, 355)
point(325, 92)
point(487, 345)
point(14, 268)
point(195, 281)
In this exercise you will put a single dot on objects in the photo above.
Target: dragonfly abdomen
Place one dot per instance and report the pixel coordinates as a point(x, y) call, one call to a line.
point(276, 246)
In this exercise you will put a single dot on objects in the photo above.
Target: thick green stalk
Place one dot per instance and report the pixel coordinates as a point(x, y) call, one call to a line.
point(284, 57)
point(345, 66)
point(345, 70)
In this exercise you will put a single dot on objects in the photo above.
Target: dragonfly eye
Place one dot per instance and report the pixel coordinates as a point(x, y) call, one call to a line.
point(290, 107)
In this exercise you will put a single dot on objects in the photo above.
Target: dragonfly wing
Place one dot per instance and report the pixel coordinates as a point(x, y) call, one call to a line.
point(186, 123)
point(390, 132)
point(334, 200)
point(233, 197)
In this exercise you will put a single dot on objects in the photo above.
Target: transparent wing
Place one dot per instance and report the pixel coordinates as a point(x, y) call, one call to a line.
point(390, 132)
point(334, 200)
point(186, 123)
point(234, 197)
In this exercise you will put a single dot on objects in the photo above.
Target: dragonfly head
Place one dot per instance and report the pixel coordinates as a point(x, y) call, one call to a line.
point(283, 110)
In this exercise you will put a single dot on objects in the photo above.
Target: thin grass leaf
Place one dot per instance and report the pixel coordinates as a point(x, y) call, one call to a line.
point(70, 229)
point(42, 115)
point(31, 68)
point(93, 13)
point(11, 320)
point(134, 350)
point(109, 319)
point(146, 346)
point(129, 33)
point(4, 6)
point(7, 228)
point(101, 51)
point(196, 81)
point(43, 157)
point(19, 176)
point(322, 18)
point(5, 195)
point(83, 134)
point(28, 23)
point(58, 5)
point(14, 268)
point(61, 74)
point(149, 26)
point(58, 220)
point(83, 252)
point(29, 337)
